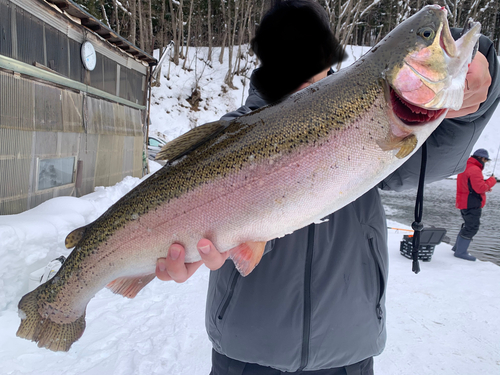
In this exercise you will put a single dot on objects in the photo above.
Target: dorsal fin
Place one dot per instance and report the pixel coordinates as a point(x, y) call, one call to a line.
point(190, 140)
point(74, 237)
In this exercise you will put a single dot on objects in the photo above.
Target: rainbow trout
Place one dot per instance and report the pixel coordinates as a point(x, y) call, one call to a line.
point(263, 175)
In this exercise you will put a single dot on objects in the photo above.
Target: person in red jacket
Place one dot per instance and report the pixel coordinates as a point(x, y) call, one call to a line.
point(471, 198)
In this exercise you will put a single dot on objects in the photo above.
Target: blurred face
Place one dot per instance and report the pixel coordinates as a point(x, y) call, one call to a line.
point(314, 79)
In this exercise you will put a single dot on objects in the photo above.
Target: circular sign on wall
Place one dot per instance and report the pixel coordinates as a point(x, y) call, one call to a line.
point(89, 57)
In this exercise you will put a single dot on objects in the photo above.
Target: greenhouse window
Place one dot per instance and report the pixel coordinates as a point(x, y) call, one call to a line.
point(55, 172)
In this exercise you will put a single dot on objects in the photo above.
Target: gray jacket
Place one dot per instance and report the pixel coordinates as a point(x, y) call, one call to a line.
point(316, 299)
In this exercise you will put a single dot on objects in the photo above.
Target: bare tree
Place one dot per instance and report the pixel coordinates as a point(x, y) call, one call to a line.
point(141, 24)
point(150, 36)
point(403, 10)
point(133, 20)
point(209, 27)
point(224, 31)
point(232, 31)
point(175, 32)
point(115, 20)
point(162, 40)
point(180, 25)
point(188, 39)
point(227, 23)
point(244, 25)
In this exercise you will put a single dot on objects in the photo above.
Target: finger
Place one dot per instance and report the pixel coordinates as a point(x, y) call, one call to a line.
point(161, 270)
point(174, 261)
point(477, 83)
point(475, 97)
point(464, 111)
point(173, 267)
point(212, 258)
point(478, 74)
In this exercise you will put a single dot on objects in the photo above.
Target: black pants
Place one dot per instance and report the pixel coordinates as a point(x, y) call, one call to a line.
point(222, 365)
point(471, 223)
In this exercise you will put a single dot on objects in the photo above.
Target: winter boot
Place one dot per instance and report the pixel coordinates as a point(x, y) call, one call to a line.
point(456, 241)
point(458, 235)
point(461, 249)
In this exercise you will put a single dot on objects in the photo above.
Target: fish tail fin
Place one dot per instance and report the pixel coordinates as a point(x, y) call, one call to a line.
point(47, 333)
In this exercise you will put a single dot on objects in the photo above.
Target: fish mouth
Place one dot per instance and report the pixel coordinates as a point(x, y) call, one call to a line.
point(411, 114)
point(432, 74)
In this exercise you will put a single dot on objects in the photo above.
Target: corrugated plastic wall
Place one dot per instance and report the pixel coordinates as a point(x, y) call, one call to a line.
point(39, 121)
point(44, 125)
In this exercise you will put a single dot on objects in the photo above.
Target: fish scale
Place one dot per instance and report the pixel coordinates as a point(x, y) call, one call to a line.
point(262, 175)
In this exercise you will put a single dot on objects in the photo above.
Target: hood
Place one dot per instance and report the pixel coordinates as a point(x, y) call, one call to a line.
point(472, 160)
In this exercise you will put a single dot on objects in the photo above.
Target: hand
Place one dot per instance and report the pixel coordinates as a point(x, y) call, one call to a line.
point(172, 267)
point(477, 83)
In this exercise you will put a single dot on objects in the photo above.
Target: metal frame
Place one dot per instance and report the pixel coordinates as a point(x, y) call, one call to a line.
point(17, 66)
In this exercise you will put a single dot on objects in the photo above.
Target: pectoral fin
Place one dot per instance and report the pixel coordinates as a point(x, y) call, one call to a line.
point(190, 140)
point(247, 255)
point(405, 145)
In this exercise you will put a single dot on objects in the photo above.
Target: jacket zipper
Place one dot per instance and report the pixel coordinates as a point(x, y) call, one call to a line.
point(306, 331)
point(381, 287)
point(234, 280)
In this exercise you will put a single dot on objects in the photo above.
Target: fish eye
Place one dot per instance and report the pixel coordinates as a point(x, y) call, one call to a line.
point(427, 33)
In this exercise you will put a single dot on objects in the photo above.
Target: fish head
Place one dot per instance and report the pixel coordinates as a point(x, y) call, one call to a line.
point(426, 68)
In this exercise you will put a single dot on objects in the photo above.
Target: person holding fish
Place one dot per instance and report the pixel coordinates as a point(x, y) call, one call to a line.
point(292, 187)
point(316, 301)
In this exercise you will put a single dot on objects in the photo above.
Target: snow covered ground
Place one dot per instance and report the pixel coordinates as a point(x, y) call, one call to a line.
point(441, 321)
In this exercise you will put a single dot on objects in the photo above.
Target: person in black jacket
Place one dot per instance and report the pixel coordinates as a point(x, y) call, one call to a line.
point(316, 301)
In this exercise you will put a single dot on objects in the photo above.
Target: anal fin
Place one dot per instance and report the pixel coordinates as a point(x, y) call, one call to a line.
point(130, 286)
point(247, 255)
